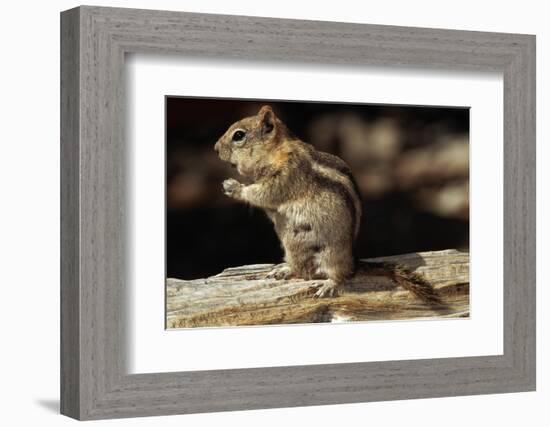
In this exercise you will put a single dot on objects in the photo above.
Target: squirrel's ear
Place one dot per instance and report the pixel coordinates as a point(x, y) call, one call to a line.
point(267, 119)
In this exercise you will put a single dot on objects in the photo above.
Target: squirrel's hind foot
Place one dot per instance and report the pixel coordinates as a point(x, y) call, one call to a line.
point(327, 288)
point(280, 272)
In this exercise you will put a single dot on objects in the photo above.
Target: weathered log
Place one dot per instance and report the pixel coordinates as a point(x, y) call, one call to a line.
point(243, 296)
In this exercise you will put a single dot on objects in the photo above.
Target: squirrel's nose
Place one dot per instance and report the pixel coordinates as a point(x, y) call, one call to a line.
point(217, 146)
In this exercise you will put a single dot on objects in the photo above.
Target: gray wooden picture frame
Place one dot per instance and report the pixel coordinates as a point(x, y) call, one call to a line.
point(94, 382)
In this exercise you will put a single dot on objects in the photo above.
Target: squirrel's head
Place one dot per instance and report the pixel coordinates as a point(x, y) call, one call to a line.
point(247, 144)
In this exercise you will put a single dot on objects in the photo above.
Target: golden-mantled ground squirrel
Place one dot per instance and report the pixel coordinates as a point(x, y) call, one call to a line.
point(310, 196)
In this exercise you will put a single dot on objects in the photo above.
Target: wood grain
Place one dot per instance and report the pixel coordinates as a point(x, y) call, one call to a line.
point(243, 296)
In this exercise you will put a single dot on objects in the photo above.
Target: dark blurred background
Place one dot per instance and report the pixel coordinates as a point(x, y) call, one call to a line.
point(411, 164)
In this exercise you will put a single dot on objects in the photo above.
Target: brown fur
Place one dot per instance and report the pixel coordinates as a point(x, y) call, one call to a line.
point(310, 196)
point(280, 158)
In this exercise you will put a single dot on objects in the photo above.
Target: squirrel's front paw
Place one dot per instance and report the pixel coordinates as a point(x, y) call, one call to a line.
point(232, 187)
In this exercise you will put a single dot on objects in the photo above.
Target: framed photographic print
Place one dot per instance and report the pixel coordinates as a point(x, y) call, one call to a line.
point(344, 212)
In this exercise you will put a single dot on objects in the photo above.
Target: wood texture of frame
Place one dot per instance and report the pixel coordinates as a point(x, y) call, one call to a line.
point(94, 382)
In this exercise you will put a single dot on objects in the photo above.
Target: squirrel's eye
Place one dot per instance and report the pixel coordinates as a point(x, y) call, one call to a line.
point(239, 135)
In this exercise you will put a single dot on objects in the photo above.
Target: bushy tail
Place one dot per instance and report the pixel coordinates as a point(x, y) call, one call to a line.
point(409, 280)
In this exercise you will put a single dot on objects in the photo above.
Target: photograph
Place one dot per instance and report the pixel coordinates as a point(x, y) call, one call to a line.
point(294, 212)
point(270, 209)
